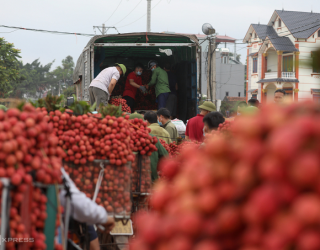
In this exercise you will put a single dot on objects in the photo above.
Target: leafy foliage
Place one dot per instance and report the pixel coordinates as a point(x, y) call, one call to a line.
point(9, 68)
point(231, 106)
point(38, 80)
point(50, 102)
point(110, 110)
point(81, 107)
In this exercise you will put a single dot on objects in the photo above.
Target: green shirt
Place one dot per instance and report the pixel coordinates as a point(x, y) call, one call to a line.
point(172, 130)
point(161, 133)
point(160, 79)
point(154, 159)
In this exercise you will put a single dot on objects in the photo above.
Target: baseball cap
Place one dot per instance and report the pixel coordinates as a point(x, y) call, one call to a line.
point(123, 68)
point(136, 115)
point(209, 106)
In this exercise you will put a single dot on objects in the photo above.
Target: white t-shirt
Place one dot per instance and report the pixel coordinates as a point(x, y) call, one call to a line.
point(102, 81)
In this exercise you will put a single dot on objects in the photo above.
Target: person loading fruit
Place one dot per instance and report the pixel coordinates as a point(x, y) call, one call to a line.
point(194, 129)
point(133, 83)
point(156, 155)
point(160, 80)
point(101, 87)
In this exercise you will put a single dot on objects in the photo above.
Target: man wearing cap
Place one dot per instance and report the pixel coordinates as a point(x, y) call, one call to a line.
point(102, 86)
point(160, 80)
point(194, 129)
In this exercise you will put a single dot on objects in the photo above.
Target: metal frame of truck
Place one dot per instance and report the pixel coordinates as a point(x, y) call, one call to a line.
point(85, 69)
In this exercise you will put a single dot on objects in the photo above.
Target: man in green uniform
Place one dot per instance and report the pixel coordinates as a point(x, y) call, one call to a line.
point(151, 118)
point(164, 120)
point(155, 156)
point(160, 80)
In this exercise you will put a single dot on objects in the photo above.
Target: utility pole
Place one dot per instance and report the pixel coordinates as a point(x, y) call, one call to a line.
point(211, 81)
point(148, 15)
point(104, 29)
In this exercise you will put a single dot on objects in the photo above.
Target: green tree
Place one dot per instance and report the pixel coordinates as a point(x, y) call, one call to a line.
point(37, 79)
point(64, 73)
point(9, 68)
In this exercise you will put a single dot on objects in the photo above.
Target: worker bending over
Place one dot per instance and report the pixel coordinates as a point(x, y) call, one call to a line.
point(102, 86)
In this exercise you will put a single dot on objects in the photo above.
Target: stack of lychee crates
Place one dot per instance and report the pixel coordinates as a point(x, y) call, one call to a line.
point(141, 182)
point(107, 184)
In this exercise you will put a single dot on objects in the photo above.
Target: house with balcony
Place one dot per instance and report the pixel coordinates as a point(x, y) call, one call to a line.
point(279, 55)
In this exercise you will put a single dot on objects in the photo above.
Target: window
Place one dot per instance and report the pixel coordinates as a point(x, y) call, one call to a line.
point(254, 96)
point(287, 64)
point(318, 33)
point(227, 93)
point(239, 94)
point(315, 66)
point(279, 23)
point(255, 65)
point(254, 35)
point(266, 64)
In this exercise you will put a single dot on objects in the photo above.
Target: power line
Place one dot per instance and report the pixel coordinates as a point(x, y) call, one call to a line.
point(10, 31)
point(139, 17)
point(113, 12)
point(128, 14)
point(47, 31)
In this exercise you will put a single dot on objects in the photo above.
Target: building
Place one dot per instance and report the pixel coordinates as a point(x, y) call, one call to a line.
point(277, 56)
point(229, 76)
point(229, 73)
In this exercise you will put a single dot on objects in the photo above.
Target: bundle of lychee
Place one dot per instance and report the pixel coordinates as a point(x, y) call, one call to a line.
point(85, 176)
point(174, 149)
point(258, 189)
point(115, 187)
point(114, 192)
point(141, 175)
point(27, 218)
point(165, 145)
point(86, 138)
point(122, 102)
point(140, 140)
point(28, 145)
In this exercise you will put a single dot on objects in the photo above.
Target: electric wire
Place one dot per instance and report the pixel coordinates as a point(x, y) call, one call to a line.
point(128, 14)
point(47, 31)
point(140, 17)
point(113, 12)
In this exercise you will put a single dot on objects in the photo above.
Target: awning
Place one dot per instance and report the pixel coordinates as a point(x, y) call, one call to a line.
point(278, 80)
point(315, 91)
point(254, 54)
point(252, 90)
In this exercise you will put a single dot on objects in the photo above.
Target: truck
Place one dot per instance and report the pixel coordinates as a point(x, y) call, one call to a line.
point(182, 51)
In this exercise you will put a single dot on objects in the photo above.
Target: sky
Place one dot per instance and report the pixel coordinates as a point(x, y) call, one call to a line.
point(228, 17)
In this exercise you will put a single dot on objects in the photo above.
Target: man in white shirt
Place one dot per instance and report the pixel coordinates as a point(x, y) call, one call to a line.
point(102, 86)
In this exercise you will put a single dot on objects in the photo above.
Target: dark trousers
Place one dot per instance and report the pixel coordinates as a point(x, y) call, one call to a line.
point(162, 100)
point(130, 102)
